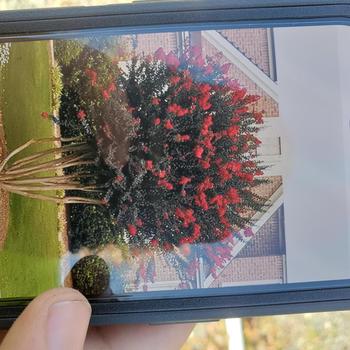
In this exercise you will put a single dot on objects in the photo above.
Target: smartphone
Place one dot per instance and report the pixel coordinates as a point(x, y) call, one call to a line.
point(176, 162)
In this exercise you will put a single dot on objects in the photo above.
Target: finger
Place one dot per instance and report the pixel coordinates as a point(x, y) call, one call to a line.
point(143, 337)
point(57, 319)
point(2, 335)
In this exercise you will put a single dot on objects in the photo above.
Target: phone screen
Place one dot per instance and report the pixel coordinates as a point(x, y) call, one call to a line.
point(160, 162)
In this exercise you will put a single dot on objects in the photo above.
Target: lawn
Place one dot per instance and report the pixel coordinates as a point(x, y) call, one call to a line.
point(29, 260)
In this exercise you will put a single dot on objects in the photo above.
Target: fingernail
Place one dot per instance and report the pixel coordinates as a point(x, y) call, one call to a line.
point(67, 325)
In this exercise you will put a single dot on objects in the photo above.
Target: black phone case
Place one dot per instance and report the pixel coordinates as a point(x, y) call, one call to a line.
point(210, 304)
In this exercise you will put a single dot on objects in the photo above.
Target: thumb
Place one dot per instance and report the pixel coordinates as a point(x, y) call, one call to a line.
point(57, 319)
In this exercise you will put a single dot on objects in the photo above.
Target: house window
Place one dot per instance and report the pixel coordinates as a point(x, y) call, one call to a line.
point(270, 146)
point(269, 152)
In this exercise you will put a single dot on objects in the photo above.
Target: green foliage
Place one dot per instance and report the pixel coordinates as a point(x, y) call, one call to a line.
point(67, 51)
point(76, 56)
point(57, 87)
point(80, 93)
point(90, 276)
point(91, 226)
point(69, 107)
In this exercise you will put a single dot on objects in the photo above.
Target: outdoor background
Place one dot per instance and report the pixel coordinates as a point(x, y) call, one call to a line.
point(305, 332)
point(25, 4)
point(321, 331)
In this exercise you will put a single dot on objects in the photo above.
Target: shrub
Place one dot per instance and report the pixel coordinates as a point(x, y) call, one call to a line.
point(90, 276)
point(91, 226)
point(81, 113)
point(57, 87)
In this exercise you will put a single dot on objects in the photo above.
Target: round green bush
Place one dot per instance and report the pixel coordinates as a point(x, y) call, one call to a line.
point(90, 276)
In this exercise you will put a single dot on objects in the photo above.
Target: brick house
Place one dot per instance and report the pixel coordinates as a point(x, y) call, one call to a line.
point(260, 259)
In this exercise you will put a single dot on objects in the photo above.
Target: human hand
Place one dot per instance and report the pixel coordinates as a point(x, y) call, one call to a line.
point(59, 320)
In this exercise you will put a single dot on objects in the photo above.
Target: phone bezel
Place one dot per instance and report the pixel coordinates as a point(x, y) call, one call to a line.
point(158, 16)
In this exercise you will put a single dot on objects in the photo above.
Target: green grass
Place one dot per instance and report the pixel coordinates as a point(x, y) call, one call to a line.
point(29, 260)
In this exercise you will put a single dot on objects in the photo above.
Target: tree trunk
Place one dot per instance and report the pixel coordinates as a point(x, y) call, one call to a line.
point(39, 176)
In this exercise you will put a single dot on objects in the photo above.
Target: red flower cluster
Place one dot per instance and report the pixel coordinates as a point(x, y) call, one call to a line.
point(92, 75)
point(132, 229)
point(174, 80)
point(161, 174)
point(220, 255)
point(186, 216)
point(184, 180)
point(207, 184)
point(233, 196)
point(238, 95)
point(228, 170)
point(182, 138)
point(149, 165)
point(201, 200)
point(167, 185)
point(81, 115)
point(232, 131)
point(106, 93)
point(204, 103)
point(198, 151)
point(155, 101)
point(207, 123)
point(168, 124)
point(177, 110)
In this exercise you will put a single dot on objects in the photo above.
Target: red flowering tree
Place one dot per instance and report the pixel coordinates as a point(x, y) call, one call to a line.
point(192, 167)
point(176, 139)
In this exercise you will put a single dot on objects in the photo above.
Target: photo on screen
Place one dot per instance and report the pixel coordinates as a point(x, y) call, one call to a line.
point(174, 161)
